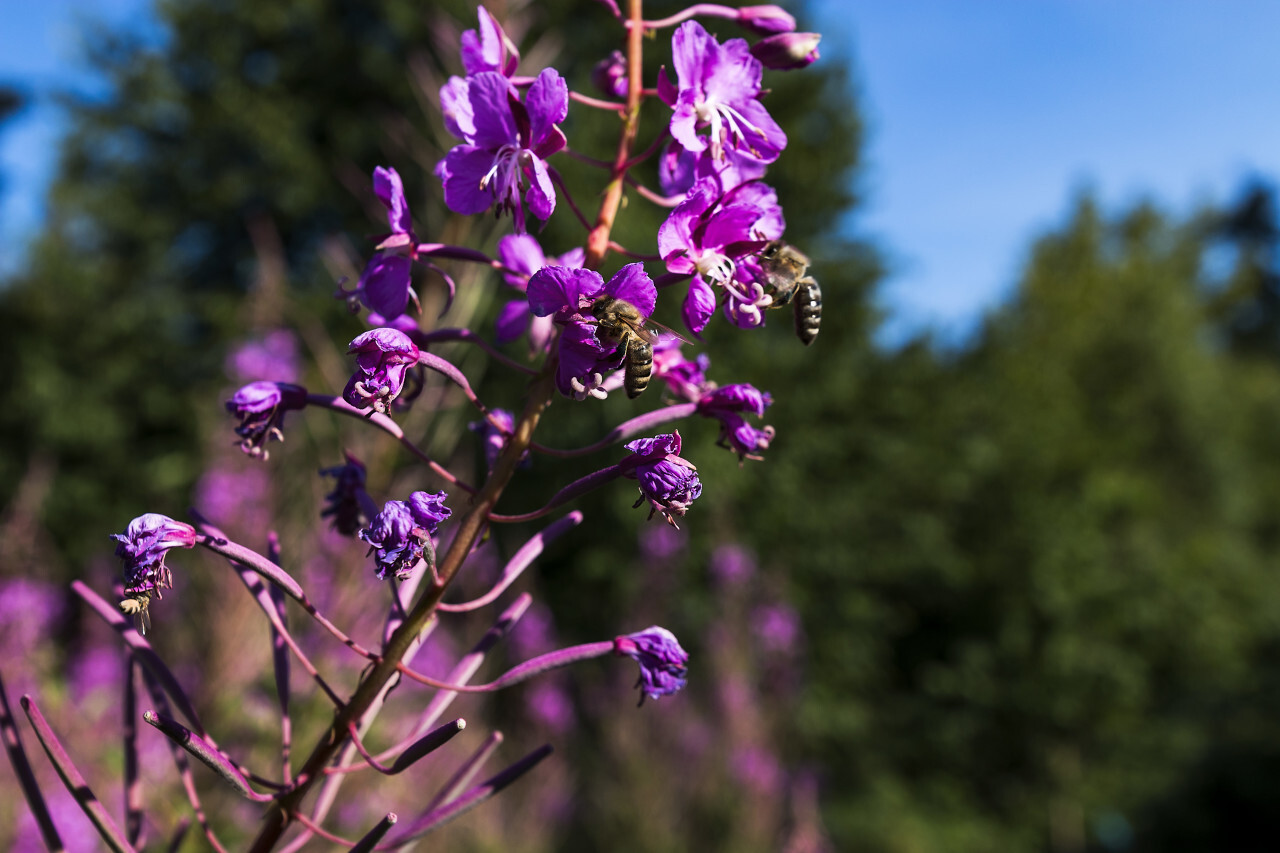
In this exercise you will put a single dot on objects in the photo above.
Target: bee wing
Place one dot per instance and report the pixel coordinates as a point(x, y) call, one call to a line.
point(651, 335)
point(142, 619)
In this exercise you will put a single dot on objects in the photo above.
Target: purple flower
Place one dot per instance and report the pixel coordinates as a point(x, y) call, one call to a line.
point(787, 51)
point(505, 143)
point(707, 234)
point(565, 294)
point(143, 547)
point(663, 664)
point(274, 356)
point(679, 169)
point(521, 252)
point(719, 89)
point(386, 282)
point(610, 75)
point(686, 380)
point(261, 406)
point(345, 504)
point(234, 495)
point(402, 532)
point(777, 628)
point(669, 483)
point(493, 438)
point(383, 358)
point(732, 564)
point(488, 48)
point(728, 404)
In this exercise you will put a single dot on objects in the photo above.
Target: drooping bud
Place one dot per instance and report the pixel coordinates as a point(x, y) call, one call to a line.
point(261, 406)
point(669, 483)
point(766, 20)
point(383, 358)
point(663, 664)
point(787, 51)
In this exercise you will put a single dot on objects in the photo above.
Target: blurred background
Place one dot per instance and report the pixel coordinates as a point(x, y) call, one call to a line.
point(1005, 580)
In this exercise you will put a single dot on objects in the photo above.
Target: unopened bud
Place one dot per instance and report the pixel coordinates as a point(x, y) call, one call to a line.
point(787, 51)
point(610, 75)
point(766, 20)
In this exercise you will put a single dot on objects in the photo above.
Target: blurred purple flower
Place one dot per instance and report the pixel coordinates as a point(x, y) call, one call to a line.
point(731, 564)
point(686, 380)
point(549, 704)
point(233, 496)
point(778, 628)
point(494, 439)
point(758, 769)
point(383, 358)
point(273, 357)
point(95, 669)
point(505, 143)
point(668, 482)
point(663, 664)
point(28, 610)
point(344, 505)
point(387, 280)
point(261, 407)
point(661, 542)
point(787, 51)
point(610, 75)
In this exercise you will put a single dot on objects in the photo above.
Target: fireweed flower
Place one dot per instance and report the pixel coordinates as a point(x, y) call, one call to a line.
point(383, 358)
point(706, 235)
point(566, 295)
point(488, 48)
point(400, 533)
point(787, 51)
point(522, 253)
point(387, 281)
point(663, 664)
point(505, 143)
point(261, 406)
point(728, 404)
point(610, 75)
point(273, 356)
point(494, 439)
point(686, 380)
point(718, 87)
point(679, 169)
point(344, 505)
point(669, 483)
point(143, 547)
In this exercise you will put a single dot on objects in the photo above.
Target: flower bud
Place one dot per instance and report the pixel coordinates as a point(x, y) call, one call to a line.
point(663, 664)
point(610, 75)
point(787, 51)
point(766, 20)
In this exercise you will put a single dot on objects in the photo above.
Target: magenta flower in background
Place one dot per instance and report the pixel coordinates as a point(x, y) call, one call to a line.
point(143, 547)
point(727, 404)
point(400, 533)
point(718, 88)
point(494, 439)
point(663, 664)
point(661, 543)
point(488, 48)
point(261, 407)
point(731, 564)
point(505, 142)
point(345, 504)
point(387, 280)
point(28, 610)
point(521, 252)
point(273, 357)
point(549, 704)
point(564, 294)
point(234, 497)
point(383, 358)
point(668, 482)
point(778, 628)
point(685, 379)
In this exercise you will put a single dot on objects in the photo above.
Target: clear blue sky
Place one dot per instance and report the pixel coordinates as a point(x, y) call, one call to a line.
point(985, 117)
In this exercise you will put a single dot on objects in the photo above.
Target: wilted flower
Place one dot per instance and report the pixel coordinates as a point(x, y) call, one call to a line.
point(261, 406)
point(663, 664)
point(669, 483)
point(521, 252)
point(344, 504)
point(505, 143)
point(143, 547)
point(401, 534)
point(727, 404)
point(383, 358)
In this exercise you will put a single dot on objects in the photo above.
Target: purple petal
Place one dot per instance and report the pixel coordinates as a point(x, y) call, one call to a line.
point(542, 192)
point(495, 124)
point(731, 225)
point(734, 75)
point(580, 354)
point(658, 447)
point(465, 166)
point(512, 320)
point(389, 189)
point(547, 103)
point(521, 252)
point(385, 284)
point(631, 284)
point(482, 50)
point(770, 145)
point(684, 123)
point(692, 50)
point(455, 104)
point(553, 288)
point(699, 305)
point(575, 258)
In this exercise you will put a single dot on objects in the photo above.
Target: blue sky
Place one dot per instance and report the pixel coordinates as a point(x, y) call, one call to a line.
point(985, 118)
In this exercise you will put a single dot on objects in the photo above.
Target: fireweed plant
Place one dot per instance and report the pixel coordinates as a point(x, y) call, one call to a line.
point(712, 154)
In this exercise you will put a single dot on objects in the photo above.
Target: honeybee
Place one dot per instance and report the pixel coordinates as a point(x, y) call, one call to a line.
point(622, 325)
point(138, 605)
point(787, 279)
